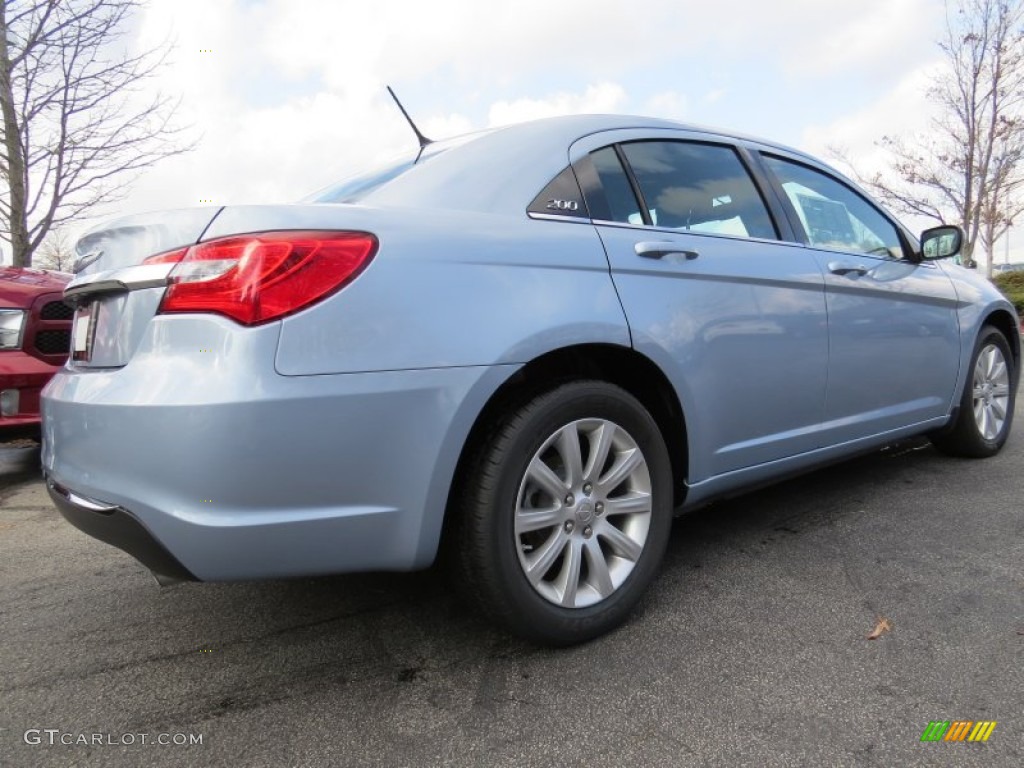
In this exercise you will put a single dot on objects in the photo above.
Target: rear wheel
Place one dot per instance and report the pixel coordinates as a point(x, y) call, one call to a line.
point(564, 515)
point(986, 407)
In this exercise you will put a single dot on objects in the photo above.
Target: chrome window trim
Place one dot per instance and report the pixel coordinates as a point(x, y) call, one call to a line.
point(668, 231)
point(555, 217)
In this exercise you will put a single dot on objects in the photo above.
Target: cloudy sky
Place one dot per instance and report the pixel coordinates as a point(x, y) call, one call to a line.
point(288, 95)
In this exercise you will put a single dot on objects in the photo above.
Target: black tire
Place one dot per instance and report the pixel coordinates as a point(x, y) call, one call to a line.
point(488, 551)
point(964, 437)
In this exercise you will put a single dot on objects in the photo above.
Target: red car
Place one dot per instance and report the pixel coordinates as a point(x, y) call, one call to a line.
point(35, 336)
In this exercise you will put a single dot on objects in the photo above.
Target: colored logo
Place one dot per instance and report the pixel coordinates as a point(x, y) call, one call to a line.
point(958, 730)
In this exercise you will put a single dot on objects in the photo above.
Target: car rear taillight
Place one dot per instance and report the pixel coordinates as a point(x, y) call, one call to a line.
point(261, 277)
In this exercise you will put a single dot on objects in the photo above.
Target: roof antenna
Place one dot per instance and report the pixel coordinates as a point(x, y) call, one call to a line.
point(423, 140)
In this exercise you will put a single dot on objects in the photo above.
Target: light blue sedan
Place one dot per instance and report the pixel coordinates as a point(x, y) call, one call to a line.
point(526, 348)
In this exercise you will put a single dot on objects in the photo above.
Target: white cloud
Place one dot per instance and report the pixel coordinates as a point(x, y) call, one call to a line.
point(599, 98)
point(903, 110)
point(352, 45)
point(869, 37)
point(292, 96)
point(444, 126)
point(670, 105)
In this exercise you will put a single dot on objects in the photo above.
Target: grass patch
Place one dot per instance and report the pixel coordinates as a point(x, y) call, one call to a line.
point(1012, 286)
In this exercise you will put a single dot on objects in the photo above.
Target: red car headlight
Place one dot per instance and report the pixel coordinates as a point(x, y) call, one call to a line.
point(12, 324)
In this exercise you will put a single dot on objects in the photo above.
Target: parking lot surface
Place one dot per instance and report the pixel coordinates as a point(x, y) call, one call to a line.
point(751, 649)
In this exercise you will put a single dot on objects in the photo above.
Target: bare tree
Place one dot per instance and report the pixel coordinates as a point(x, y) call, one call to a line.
point(1005, 203)
point(970, 168)
point(75, 116)
point(56, 252)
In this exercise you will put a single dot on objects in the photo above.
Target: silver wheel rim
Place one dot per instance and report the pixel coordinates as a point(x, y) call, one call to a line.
point(583, 512)
point(991, 392)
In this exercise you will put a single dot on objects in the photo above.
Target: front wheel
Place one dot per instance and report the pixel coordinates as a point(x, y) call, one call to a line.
point(986, 407)
point(564, 516)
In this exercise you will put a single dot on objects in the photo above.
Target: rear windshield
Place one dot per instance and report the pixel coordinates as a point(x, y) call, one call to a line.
point(355, 188)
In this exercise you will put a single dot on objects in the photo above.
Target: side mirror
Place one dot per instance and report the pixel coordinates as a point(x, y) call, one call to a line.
point(941, 242)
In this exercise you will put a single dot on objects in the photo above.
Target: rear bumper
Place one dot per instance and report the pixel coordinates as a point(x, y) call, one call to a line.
point(119, 527)
point(272, 477)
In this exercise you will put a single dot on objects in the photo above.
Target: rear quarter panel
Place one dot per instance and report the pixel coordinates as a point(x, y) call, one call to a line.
point(447, 289)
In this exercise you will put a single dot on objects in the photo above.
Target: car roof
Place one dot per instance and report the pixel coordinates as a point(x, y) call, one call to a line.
point(500, 170)
point(572, 127)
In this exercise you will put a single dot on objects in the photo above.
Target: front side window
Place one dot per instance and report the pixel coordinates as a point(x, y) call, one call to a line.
point(701, 188)
point(832, 214)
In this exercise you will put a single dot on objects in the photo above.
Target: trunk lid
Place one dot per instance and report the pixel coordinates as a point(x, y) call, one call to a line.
point(114, 294)
point(125, 242)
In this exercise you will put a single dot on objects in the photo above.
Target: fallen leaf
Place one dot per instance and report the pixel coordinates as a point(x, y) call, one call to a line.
point(880, 629)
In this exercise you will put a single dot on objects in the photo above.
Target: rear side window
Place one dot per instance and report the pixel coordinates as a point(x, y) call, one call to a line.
point(832, 214)
point(701, 188)
point(561, 197)
point(618, 193)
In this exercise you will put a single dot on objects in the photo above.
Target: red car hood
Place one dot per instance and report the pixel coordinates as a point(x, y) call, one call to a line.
point(19, 286)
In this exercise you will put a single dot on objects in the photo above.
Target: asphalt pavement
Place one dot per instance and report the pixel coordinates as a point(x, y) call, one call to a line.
point(751, 649)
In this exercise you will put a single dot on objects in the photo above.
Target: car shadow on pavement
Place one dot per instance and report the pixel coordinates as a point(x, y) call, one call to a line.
point(754, 592)
point(391, 614)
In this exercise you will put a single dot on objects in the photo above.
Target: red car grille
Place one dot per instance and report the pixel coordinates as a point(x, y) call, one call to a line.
point(53, 342)
point(48, 330)
point(56, 310)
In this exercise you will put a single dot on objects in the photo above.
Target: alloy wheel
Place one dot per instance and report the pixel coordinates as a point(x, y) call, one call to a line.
point(991, 392)
point(583, 512)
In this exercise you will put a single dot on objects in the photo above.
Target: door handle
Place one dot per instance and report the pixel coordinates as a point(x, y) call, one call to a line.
point(842, 268)
point(659, 248)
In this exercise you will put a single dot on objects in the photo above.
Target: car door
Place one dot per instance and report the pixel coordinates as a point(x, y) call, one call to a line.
point(893, 331)
point(736, 315)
